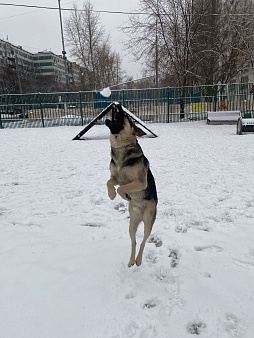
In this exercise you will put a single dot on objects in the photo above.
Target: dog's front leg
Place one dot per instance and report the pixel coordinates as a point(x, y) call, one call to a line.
point(123, 195)
point(111, 187)
point(123, 190)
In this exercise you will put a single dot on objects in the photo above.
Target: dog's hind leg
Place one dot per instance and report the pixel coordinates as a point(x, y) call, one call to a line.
point(135, 219)
point(148, 219)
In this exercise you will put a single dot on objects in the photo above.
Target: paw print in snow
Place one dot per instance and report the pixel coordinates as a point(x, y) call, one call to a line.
point(196, 328)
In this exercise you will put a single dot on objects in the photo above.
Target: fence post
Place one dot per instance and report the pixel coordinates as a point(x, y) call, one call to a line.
point(81, 110)
point(123, 98)
point(168, 104)
point(1, 125)
point(42, 120)
point(215, 97)
point(93, 100)
point(182, 103)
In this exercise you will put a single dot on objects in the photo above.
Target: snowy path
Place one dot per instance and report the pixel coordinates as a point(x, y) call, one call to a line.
point(65, 246)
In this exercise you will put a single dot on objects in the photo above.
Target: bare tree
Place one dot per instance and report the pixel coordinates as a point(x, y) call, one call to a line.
point(225, 46)
point(108, 66)
point(163, 37)
point(91, 49)
point(236, 48)
point(8, 81)
point(192, 41)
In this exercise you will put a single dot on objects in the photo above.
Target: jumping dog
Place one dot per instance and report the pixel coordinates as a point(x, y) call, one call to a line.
point(130, 171)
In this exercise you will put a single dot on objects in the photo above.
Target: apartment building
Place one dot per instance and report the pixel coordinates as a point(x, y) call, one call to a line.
point(15, 57)
point(42, 63)
point(48, 63)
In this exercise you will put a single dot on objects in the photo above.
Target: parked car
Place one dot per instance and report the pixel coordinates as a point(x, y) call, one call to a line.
point(23, 115)
point(14, 111)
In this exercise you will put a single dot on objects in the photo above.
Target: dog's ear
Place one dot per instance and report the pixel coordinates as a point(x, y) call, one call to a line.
point(139, 132)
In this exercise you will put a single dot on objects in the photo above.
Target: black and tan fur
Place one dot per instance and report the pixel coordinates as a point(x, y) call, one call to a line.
point(130, 171)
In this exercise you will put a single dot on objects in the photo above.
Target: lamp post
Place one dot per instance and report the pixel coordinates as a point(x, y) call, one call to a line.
point(156, 51)
point(63, 52)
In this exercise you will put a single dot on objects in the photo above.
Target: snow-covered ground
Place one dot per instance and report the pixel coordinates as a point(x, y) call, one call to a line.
point(65, 245)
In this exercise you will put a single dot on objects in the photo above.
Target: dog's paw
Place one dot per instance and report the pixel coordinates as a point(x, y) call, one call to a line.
point(131, 262)
point(112, 193)
point(122, 194)
point(138, 260)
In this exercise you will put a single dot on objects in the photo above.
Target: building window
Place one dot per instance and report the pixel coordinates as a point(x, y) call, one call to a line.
point(245, 79)
point(46, 70)
point(45, 57)
point(45, 64)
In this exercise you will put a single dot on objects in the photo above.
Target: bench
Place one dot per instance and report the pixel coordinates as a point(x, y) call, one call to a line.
point(223, 117)
point(245, 124)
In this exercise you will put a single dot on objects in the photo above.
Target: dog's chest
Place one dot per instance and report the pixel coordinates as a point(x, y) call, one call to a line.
point(123, 162)
point(117, 163)
point(118, 171)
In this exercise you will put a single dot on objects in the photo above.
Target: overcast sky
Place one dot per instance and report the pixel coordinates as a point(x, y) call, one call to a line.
point(39, 29)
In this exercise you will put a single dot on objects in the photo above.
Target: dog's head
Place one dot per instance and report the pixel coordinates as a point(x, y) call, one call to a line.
point(122, 124)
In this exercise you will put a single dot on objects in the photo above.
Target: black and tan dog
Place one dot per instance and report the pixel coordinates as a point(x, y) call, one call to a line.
point(130, 171)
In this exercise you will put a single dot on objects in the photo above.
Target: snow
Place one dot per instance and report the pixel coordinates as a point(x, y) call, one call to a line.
point(65, 245)
point(106, 92)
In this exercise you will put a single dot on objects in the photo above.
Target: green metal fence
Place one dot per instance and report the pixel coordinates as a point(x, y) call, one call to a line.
point(151, 105)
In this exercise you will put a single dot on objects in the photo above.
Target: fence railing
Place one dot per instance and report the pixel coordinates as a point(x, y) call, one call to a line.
point(151, 105)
